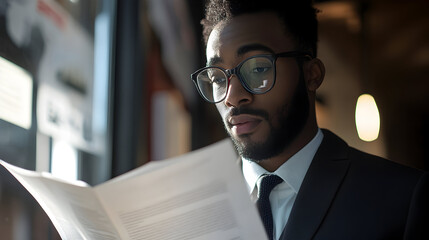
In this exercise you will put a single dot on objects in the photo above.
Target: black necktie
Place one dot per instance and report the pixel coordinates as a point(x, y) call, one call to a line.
point(268, 182)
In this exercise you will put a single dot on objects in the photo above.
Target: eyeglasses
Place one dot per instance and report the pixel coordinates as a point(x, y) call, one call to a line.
point(257, 74)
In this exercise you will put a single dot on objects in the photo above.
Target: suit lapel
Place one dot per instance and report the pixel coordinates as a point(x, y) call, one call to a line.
point(318, 189)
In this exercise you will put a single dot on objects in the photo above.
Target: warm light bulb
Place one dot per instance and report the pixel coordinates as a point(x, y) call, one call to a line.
point(367, 118)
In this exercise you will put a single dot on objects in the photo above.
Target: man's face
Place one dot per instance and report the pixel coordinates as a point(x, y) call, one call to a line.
point(261, 126)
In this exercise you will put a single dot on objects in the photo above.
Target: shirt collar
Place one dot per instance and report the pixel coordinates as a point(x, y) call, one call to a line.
point(292, 171)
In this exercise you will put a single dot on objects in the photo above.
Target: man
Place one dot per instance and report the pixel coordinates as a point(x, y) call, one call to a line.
point(262, 73)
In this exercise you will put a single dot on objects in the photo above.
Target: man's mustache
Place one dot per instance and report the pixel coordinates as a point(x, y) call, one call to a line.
point(243, 110)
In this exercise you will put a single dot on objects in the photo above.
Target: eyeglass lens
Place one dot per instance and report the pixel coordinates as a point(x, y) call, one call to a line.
point(256, 74)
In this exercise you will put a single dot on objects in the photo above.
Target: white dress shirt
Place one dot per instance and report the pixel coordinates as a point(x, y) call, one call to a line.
point(283, 195)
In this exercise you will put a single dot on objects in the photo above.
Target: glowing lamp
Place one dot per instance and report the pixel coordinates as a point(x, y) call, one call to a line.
point(367, 118)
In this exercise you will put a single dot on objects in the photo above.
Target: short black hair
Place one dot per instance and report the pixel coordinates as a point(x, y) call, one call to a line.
point(299, 17)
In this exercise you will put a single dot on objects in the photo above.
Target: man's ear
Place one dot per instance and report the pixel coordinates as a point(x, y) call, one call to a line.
point(314, 72)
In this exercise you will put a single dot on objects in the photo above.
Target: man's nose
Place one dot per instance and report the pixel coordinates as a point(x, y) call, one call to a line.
point(237, 95)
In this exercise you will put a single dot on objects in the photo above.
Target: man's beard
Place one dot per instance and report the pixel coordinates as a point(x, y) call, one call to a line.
point(292, 119)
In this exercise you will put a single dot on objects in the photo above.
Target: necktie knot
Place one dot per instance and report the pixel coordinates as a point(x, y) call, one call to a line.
point(268, 182)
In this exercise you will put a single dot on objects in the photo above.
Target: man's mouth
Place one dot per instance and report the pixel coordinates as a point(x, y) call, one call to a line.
point(243, 124)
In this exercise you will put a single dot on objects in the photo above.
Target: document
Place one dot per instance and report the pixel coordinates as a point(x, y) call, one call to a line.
point(199, 195)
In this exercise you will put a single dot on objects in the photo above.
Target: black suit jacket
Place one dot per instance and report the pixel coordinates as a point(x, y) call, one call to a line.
point(348, 194)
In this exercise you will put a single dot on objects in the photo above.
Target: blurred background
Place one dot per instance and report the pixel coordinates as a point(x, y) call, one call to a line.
point(92, 89)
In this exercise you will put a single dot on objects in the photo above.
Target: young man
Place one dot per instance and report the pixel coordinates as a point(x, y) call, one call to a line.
point(262, 73)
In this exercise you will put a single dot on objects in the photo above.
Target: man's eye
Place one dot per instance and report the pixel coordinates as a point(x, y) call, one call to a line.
point(217, 80)
point(260, 69)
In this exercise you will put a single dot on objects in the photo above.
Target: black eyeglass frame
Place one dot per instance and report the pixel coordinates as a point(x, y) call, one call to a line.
point(229, 72)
